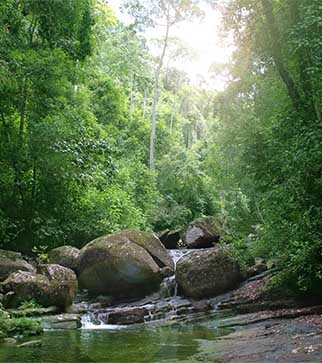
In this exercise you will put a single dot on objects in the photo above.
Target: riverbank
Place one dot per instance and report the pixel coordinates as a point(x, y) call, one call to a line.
point(288, 340)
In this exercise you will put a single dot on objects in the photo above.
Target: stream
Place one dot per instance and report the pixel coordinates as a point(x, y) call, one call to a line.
point(171, 331)
point(189, 342)
point(168, 328)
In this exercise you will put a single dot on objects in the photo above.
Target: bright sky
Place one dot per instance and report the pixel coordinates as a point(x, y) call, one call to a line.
point(203, 37)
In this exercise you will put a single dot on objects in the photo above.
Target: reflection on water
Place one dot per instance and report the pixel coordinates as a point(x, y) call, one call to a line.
point(180, 343)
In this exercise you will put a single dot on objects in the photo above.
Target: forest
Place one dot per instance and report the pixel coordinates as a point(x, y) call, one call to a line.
point(100, 134)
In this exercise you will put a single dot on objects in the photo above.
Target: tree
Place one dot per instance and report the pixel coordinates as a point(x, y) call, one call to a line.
point(267, 136)
point(165, 13)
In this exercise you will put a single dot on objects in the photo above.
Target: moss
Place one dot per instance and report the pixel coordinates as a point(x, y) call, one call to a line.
point(210, 224)
point(20, 326)
point(24, 326)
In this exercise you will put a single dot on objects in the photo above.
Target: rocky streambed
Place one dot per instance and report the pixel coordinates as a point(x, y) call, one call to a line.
point(125, 297)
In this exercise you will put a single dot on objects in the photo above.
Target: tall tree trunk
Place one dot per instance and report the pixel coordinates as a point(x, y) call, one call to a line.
point(277, 54)
point(156, 94)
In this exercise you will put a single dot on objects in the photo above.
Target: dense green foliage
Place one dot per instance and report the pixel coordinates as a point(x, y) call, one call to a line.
point(268, 142)
point(76, 87)
point(76, 90)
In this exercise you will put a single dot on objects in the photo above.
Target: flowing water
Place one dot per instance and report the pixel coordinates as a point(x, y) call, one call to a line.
point(177, 254)
point(162, 339)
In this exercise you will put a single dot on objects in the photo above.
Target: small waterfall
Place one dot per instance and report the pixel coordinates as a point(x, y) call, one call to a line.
point(166, 305)
point(169, 286)
point(91, 322)
point(177, 254)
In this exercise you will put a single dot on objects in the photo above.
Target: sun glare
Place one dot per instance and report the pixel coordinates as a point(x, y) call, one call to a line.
point(203, 37)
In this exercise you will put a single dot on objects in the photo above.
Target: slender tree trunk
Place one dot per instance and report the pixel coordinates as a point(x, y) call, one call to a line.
point(22, 112)
point(144, 105)
point(76, 78)
point(34, 180)
point(131, 99)
point(172, 115)
point(156, 95)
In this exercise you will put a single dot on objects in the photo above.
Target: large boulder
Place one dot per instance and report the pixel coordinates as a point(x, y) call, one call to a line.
point(202, 233)
point(54, 285)
point(207, 273)
point(66, 256)
point(151, 243)
point(10, 254)
point(12, 262)
point(125, 264)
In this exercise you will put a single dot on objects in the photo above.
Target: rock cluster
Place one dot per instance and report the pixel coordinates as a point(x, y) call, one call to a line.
point(52, 285)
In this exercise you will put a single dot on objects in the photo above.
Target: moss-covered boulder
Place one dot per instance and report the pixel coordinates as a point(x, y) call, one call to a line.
point(207, 273)
point(125, 264)
point(202, 233)
point(54, 285)
point(12, 262)
point(66, 256)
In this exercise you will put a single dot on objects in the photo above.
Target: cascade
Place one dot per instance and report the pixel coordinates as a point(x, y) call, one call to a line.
point(164, 305)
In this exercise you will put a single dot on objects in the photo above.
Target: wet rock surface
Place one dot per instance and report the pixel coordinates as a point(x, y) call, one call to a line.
point(279, 340)
point(62, 321)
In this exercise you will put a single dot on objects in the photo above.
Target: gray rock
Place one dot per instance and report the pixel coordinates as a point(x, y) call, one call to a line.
point(67, 256)
point(10, 254)
point(202, 233)
point(8, 265)
point(207, 273)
